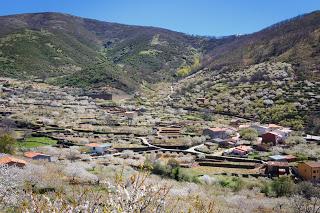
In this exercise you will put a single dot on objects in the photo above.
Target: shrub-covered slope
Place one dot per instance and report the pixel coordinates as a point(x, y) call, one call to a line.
point(295, 41)
point(84, 52)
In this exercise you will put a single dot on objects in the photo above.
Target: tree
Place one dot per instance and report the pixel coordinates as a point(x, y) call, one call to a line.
point(7, 143)
point(11, 183)
point(126, 195)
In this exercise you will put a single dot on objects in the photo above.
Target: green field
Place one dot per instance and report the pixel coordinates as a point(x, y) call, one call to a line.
point(33, 142)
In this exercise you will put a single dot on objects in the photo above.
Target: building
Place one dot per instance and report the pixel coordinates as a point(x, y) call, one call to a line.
point(97, 148)
point(11, 161)
point(222, 133)
point(241, 150)
point(309, 170)
point(283, 158)
point(37, 156)
point(272, 137)
point(275, 168)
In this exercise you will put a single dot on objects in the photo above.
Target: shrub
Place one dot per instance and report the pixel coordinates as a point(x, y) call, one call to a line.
point(282, 186)
point(295, 140)
point(235, 183)
point(249, 134)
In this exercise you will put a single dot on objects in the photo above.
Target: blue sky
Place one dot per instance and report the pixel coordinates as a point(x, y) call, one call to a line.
point(201, 17)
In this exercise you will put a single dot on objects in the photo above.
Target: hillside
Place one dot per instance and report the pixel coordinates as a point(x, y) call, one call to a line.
point(68, 50)
point(294, 41)
point(268, 76)
point(86, 52)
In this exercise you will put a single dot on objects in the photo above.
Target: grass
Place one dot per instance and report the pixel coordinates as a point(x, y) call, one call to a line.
point(33, 142)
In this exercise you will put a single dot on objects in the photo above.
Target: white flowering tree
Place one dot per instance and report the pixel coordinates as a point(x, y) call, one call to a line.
point(132, 195)
point(11, 183)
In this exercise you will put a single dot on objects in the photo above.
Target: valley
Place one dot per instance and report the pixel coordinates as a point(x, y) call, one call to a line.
point(105, 117)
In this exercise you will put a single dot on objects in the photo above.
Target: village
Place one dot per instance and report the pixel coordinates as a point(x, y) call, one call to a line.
point(57, 124)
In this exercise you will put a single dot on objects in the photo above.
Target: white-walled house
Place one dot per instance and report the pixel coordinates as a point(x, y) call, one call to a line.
point(98, 148)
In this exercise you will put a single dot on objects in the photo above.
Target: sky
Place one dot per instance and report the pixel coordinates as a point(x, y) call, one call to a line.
point(197, 17)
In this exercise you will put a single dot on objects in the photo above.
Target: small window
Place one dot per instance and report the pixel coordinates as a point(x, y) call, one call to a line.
point(314, 171)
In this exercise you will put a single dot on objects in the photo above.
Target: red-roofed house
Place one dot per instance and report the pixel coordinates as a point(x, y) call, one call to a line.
point(272, 137)
point(11, 161)
point(37, 156)
point(242, 150)
point(276, 168)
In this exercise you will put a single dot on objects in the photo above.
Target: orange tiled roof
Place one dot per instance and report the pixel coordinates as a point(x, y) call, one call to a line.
point(93, 145)
point(31, 154)
point(9, 159)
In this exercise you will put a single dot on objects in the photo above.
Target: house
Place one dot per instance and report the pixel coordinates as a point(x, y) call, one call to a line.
point(96, 148)
point(11, 161)
point(272, 137)
point(242, 150)
point(275, 168)
point(283, 158)
point(309, 170)
point(222, 133)
point(260, 129)
point(37, 156)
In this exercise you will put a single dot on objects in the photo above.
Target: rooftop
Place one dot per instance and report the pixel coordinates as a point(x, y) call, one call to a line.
point(278, 164)
point(32, 154)
point(5, 159)
point(98, 145)
point(313, 163)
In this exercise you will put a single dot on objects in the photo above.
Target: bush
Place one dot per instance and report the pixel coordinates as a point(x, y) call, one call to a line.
point(172, 170)
point(295, 140)
point(282, 186)
point(236, 183)
point(249, 134)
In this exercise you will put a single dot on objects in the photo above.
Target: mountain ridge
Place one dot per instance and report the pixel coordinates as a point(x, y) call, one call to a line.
point(63, 49)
